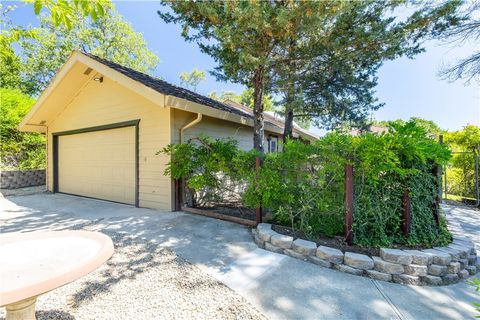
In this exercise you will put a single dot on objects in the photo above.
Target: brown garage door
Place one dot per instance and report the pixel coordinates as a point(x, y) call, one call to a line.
point(98, 164)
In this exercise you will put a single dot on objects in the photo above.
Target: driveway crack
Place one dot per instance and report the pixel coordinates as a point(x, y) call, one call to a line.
point(379, 287)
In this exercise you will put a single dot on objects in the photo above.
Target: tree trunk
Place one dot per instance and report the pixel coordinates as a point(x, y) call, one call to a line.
point(288, 127)
point(258, 123)
point(289, 98)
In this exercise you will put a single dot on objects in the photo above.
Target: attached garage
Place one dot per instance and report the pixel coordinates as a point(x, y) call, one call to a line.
point(99, 162)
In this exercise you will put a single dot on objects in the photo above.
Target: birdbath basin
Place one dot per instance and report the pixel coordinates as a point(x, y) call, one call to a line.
point(37, 262)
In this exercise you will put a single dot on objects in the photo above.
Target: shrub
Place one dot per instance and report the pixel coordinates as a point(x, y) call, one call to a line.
point(20, 150)
point(304, 185)
point(385, 166)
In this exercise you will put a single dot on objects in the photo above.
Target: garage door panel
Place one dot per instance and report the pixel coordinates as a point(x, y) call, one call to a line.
point(99, 164)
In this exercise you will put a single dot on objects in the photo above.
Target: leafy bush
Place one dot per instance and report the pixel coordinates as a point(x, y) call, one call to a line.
point(304, 185)
point(385, 166)
point(461, 168)
point(20, 150)
point(204, 164)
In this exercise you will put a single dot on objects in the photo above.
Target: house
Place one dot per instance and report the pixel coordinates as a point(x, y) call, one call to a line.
point(105, 123)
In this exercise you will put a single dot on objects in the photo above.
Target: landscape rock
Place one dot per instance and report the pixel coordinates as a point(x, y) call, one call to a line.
point(471, 270)
point(294, 254)
point(304, 247)
point(463, 274)
point(416, 270)
point(359, 261)
point(419, 257)
point(464, 252)
point(437, 270)
point(266, 234)
point(320, 261)
point(271, 247)
point(439, 257)
point(472, 259)
point(259, 241)
point(463, 263)
point(378, 275)
point(432, 280)
point(453, 267)
point(406, 279)
point(347, 269)
point(264, 226)
point(450, 278)
point(455, 254)
point(330, 254)
point(387, 267)
point(395, 256)
point(282, 241)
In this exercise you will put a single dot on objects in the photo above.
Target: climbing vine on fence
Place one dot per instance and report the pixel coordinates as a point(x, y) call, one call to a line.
point(303, 186)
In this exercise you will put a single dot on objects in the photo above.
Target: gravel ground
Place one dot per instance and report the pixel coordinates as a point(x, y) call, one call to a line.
point(144, 281)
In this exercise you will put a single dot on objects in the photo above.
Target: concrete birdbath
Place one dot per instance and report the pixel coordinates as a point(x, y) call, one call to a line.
point(37, 262)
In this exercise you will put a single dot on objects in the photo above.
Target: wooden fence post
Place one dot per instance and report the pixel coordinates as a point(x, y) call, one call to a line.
point(348, 203)
point(258, 210)
point(406, 213)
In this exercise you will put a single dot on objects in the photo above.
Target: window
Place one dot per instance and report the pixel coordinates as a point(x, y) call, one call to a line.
point(272, 144)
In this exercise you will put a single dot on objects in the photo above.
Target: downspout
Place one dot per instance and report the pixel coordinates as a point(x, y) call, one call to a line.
point(179, 189)
point(189, 125)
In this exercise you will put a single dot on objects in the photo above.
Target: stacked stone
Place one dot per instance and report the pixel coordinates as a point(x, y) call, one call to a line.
point(437, 266)
point(21, 178)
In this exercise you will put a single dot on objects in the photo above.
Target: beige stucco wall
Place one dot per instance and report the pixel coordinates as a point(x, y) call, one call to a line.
point(214, 128)
point(108, 102)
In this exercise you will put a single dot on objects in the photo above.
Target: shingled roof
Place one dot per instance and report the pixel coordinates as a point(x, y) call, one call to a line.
point(179, 92)
point(167, 88)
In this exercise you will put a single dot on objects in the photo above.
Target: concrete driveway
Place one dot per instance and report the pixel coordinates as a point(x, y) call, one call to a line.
point(280, 286)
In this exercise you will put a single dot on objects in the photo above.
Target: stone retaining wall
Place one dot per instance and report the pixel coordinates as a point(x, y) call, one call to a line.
point(437, 266)
point(21, 178)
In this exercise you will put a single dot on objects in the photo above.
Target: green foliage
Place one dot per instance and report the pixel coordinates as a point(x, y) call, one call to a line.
point(241, 37)
point(62, 12)
point(461, 168)
point(321, 56)
point(10, 63)
point(385, 166)
point(304, 185)
point(32, 66)
point(201, 162)
point(476, 283)
point(245, 98)
point(20, 150)
point(193, 78)
point(467, 139)
point(432, 129)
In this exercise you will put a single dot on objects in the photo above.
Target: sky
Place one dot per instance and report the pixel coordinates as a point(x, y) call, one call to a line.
point(409, 88)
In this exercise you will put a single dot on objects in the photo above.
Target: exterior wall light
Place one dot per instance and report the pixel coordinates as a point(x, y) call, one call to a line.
point(98, 78)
